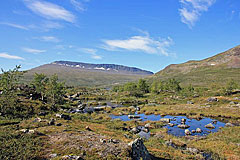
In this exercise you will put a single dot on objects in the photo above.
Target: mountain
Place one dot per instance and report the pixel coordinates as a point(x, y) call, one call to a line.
point(217, 69)
point(86, 74)
point(113, 68)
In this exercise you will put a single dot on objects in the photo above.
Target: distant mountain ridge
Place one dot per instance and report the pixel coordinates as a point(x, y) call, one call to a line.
point(86, 74)
point(104, 67)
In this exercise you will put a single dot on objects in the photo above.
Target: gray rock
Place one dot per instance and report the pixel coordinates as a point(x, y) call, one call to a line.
point(183, 126)
point(147, 125)
point(212, 99)
point(210, 125)
point(183, 120)
point(53, 155)
point(187, 132)
point(133, 116)
point(229, 125)
point(51, 122)
point(165, 120)
point(198, 130)
point(138, 150)
point(190, 102)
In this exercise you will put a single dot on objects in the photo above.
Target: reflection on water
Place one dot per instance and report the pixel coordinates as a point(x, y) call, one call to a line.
point(176, 120)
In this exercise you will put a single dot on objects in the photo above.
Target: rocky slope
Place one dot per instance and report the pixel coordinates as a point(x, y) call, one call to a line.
point(219, 68)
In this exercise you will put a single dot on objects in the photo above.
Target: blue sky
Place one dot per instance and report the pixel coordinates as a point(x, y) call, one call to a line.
point(149, 34)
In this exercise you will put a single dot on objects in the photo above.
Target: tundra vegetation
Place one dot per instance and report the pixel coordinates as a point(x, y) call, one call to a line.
point(45, 119)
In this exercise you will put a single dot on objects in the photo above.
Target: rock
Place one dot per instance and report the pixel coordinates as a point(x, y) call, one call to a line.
point(190, 102)
point(133, 116)
point(58, 115)
point(192, 150)
point(31, 131)
point(66, 117)
point(103, 140)
point(88, 128)
point(53, 155)
point(113, 141)
point(183, 120)
point(233, 103)
point(138, 150)
point(193, 131)
point(198, 130)
point(37, 119)
point(187, 132)
point(145, 130)
point(147, 125)
point(165, 120)
point(71, 157)
point(99, 108)
point(171, 124)
point(58, 124)
point(214, 121)
point(212, 99)
point(229, 125)
point(210, 125)
point(24, 130)
point(51, 122)
point(183, 126)
point(42, 113)
point(135, 130)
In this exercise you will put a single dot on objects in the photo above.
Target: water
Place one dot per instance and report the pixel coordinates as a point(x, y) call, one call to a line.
point(193, 123)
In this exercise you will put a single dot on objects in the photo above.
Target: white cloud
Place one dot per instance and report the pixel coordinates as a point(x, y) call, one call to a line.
point(92, 52)
point(50, 10)
point(49, 39)
point(192, 9)
point(88, 50)
point(8, 56)
point(34, 51)
point(15, 25)
point(78, 5)
point(96, 57)
point(140, 43)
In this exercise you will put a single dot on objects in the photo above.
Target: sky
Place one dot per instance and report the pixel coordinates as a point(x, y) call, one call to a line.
point(148, 34)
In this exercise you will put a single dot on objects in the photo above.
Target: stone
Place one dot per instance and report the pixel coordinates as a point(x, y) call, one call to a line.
point(53, 155)
point(214, 121)
point(71, 157)
point(187, 132)
point(58, 124)
point(198, 130)
point(183, 126)
point(192, 150)
point(138, 150)
point(103, 140)
point(193, 131)
point(24, 130)
point(135, 130)
point(210, 125)
point(147, 125)
point(66, 117)
point(37, 119)
point(165, 120)
point(171, 124)
point(133, 116)
point(51, 122)
point(212, 99)
point(183, 120)
point(229, 125)
point(190, 102)
point(88, 128)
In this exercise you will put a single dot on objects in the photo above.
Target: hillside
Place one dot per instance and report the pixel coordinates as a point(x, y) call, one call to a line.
point(217, 69)
point(85, 74)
